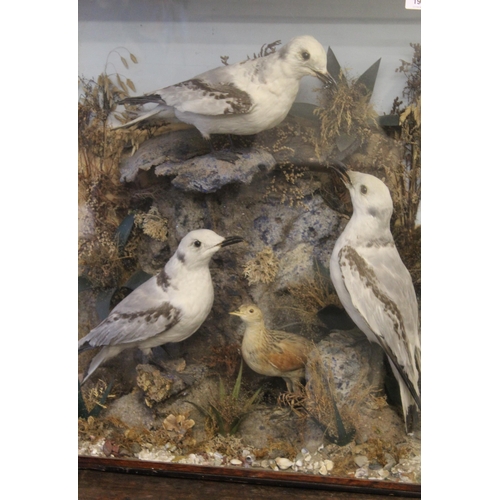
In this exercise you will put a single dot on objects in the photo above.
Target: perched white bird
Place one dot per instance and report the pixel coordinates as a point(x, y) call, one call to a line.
point(169, 307)
point(244, 98)
point(373, 284)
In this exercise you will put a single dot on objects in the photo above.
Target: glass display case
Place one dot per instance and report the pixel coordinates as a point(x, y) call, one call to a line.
point(249, 241)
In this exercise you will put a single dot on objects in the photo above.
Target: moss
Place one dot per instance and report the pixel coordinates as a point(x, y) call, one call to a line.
point(263, 268)
point(153, 224)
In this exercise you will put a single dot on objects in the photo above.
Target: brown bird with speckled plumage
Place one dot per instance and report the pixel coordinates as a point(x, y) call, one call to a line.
point(271, 352)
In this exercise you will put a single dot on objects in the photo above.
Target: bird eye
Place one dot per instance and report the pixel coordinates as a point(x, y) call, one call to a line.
point(305, 55)
point(197, 243)
point(363, 189)
point(250, 310)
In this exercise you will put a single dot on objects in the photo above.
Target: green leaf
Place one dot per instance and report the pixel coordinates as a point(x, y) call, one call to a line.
point(222, 390)
point(123, 231)
point(344, 437)
point(304, 110)
point(236, 424)
point(137, 279)
point(237, 384)
point(103, 302)
point(204, 412)
point(84, 284)
point(368, 78)
point(221, 424)
point(333, 66)
point(254, 398)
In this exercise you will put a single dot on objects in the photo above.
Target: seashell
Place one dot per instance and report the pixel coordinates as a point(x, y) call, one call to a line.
point(361, 473)
point(322, 470)
point(283, 463)
point(329, 465)
point(384, 473)
point(299, 463)
point(235, 461)
point(307, 457)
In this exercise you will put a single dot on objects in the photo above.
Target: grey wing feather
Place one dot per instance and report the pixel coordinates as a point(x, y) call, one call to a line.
point(143, 314)
point(381, 290)
point(204, 97)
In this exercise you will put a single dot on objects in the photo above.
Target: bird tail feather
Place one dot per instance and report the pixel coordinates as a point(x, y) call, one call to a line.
point(104, 354)
point(408, 402)
point(140, 118)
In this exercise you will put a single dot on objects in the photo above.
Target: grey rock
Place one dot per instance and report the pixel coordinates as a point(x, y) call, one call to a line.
point(352, 361)
point(130, 409)
point(207, 174)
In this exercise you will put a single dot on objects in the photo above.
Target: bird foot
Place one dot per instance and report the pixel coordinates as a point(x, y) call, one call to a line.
point(226, 155)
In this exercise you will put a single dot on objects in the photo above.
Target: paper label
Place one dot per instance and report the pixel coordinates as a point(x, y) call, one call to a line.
point(413, 4)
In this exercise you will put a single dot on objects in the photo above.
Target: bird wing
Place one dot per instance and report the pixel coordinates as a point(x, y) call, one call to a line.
point(287, 352)
point(143, 314)
point(212, 93)
point(381, 290)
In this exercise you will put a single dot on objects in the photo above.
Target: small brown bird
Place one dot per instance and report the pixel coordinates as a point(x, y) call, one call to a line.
point(272, 352)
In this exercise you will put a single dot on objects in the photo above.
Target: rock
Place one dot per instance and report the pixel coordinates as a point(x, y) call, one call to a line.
point(157, 386)
point(207, 174)
point(361, 460)
point(130, 409)
point(352, 361)
point(191, 171)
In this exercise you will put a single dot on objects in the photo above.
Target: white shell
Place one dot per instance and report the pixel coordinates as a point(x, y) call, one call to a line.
point(235, 461)
point(283, 463)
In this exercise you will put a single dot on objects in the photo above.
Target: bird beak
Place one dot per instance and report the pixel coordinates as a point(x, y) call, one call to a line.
point(231, 240)
point(341, 169)
point(235, 313)
point(327, 79)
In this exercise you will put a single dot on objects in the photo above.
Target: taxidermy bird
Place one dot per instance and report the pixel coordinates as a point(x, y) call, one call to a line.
point(375, 287)
point(169, 307)
point(244, 98)
point(271, 352)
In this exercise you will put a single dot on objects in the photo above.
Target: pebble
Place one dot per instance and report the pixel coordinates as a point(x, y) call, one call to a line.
point(235, 461)
point(329, 465)
point(384, 473)
point(283, 463)
point(361, 460)
point(322, 470)
point(391, 461)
